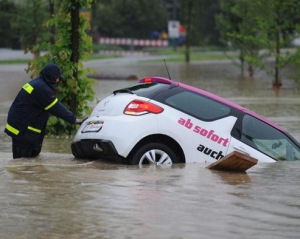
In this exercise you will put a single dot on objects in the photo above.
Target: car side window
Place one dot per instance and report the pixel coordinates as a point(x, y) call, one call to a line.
point(268, 140)
point(198, 106)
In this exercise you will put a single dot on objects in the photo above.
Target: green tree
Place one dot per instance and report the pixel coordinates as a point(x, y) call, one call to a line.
point(278, 23)
point(204, 29)
point(129, 18)
point(254, 28)
point(188, 6)
point(72, 46)
point(296, 56)
point(7, 11)
point(28, 22)
point(238, 28)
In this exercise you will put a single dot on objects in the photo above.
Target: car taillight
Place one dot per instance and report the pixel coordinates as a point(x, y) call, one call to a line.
point(139, 107)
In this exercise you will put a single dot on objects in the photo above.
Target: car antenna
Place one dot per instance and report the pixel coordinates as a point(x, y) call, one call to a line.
point(167, 70)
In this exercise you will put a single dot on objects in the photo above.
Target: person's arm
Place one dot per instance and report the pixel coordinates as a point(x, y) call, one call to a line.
point(46, 100)
point(59, 110)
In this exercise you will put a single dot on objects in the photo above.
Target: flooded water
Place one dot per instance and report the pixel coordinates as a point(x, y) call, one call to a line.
point(55, 196)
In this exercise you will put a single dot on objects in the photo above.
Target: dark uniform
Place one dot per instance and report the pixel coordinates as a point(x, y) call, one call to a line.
point(29, 113)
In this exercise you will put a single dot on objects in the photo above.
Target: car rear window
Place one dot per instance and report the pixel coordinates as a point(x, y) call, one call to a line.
point(194, 104)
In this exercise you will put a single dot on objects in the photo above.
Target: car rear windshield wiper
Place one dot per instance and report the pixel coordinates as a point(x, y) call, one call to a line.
point(123, 91)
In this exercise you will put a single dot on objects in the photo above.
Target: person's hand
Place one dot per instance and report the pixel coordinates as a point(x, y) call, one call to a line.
point(80, 121)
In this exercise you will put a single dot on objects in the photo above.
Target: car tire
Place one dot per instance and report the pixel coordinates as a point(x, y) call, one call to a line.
point(153, 153)
point(77, 152)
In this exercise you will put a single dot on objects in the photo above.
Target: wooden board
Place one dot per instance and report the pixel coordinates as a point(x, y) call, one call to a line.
point(235, 162)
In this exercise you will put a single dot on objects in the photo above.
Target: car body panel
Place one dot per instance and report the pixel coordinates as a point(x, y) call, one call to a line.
point(195, 135)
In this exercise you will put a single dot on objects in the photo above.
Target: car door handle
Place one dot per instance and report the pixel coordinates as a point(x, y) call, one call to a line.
point(240, 149)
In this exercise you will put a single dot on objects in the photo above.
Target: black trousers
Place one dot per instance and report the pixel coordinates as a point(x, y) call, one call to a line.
point(22, 148)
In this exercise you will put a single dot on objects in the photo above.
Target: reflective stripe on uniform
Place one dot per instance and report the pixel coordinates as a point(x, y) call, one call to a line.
point(28, 88)
point(12, 129)
point(34, 129)
point(53, 103)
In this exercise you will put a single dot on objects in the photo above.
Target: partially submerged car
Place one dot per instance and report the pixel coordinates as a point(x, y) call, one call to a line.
point(160, 121)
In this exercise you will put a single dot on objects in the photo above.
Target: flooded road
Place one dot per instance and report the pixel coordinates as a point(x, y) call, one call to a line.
point(55, 196)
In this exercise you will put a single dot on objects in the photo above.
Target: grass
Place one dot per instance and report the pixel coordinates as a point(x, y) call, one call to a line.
point(15, 61)
point(196, 57)
point(173, 55)
point(196, 54)
point(99, 57)
point(25, 61)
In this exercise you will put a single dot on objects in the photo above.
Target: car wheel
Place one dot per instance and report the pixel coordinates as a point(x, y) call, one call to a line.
point(154, 153)
point(77, 152)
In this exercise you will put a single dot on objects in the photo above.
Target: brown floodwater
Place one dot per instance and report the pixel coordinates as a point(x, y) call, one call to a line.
point(56, 196)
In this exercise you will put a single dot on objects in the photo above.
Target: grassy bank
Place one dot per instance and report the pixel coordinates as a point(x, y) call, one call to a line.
point(173, 55)
point(25, 61)
point(196, 54)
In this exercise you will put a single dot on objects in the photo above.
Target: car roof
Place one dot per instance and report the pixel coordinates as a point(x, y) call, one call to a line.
point(163, 80)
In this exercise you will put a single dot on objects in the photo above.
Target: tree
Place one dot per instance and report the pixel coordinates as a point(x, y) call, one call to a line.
point(190, 13)
point(296, 56)
point(278, 29)
point(130, 18)
point(252, 27)
point(7, 10)
point(28, 22)
point(72, 46)
point(52, 12)
point(238, 27)
point(204, 29)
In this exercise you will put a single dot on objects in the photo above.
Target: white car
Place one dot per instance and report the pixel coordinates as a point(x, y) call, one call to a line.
point(160, 121)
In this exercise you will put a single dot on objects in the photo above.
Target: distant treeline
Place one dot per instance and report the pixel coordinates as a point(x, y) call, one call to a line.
point(21, 22)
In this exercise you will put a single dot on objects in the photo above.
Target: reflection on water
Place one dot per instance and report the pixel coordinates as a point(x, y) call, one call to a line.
point(56, 196)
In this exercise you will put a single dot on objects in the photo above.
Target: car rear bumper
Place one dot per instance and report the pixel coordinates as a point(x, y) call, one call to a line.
point(94, 149)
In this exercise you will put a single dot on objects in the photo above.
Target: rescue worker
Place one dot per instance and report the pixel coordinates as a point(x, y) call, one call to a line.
point(28, 115)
